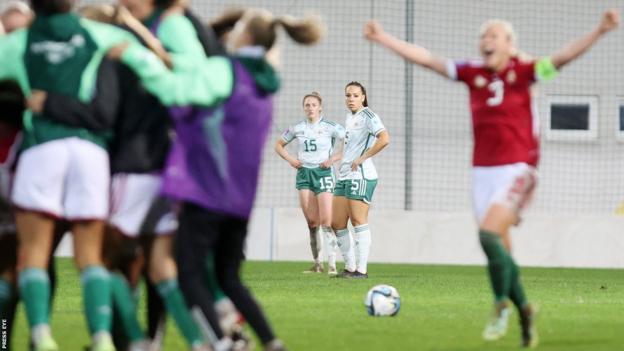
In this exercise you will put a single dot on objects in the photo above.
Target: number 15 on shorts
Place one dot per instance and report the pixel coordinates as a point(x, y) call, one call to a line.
point(327, 183)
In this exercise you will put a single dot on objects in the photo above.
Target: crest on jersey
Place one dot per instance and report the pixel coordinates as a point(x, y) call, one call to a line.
point(480, 81)
point(511, 77)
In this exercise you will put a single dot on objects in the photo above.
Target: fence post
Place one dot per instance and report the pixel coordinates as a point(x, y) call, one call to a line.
point(409, 106)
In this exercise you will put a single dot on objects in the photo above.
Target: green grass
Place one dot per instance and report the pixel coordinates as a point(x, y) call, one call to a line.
point(443, 308)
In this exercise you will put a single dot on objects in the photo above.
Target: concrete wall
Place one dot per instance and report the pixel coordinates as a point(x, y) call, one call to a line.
point(451, 238)
point(280, 234)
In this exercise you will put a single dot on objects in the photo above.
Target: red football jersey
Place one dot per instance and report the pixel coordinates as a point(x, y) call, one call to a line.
point(504, 122)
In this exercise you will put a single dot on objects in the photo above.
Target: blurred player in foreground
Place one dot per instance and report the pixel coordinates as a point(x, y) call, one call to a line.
point(506, 144)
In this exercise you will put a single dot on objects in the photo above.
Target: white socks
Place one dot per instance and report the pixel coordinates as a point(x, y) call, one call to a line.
point(102, 337)
point(316, 243)
point(39, 332)
point(330, 245)
point(225, 344)
point(362, 238)
point(344, 243)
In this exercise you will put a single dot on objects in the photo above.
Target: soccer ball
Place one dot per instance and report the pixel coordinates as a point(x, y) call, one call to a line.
point(382, 300)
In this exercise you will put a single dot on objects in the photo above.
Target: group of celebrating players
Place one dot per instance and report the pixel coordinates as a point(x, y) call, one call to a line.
point(132, 133)
point(101, 112)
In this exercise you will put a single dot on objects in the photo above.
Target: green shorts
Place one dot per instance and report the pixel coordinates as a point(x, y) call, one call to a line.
point(356, 189)
point(319, 180)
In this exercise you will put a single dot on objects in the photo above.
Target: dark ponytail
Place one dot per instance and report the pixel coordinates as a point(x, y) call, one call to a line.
point(51, 7)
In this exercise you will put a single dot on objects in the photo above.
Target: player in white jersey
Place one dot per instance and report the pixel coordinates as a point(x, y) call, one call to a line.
point(315, 180)
point(365, 137)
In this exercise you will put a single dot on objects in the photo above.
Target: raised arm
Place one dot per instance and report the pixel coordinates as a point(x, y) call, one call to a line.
point(125, 18)
point(212, 80)
point(413, 53)
point(207, 84)
point(281, 150)
point(610, 21)
point(12, 48)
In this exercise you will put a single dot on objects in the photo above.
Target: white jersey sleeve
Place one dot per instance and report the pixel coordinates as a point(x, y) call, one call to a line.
point(361, 130)
point(374, 124)
point(339, 132)
point(289, 134)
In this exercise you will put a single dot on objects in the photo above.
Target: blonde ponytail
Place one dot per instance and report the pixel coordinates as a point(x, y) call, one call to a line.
point(104, 13)
point(307, 30)
point(314, 94)
point(226, 21)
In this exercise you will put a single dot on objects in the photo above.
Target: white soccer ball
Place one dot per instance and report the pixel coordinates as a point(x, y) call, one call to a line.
point(382, 300)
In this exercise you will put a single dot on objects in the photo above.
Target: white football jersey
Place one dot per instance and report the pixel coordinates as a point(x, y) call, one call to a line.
point(362, 129)
point(316, 140)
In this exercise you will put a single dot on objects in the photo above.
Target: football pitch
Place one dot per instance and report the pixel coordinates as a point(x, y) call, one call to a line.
point(443, 308)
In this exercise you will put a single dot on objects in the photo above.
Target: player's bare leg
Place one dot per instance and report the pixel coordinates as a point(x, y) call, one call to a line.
point(325, 216)
point(340, 218)
point(310, 209)
point(35, 233)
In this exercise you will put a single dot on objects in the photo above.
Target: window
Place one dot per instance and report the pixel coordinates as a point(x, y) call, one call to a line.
point(620, 119)
point(573, 118)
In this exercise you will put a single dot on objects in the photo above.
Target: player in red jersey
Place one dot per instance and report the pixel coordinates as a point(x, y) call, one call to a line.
point(506, 145)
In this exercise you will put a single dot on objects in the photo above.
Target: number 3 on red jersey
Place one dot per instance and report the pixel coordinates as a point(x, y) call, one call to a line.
point(497, 88)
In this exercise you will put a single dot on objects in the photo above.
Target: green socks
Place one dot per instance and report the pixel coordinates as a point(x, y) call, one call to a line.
point(212, 282)
point(6, 293)
point(177, 308)
point(96, 288)
point(124, 304)
point(499, 267)
point(503, 271)
point(516, 293)
point(34, 286)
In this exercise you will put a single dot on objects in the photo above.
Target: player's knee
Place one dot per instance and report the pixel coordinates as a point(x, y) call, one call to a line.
point(337, 224)
point(86, 258)
point(358, 221)
point(162, 269)
point(123, 257)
